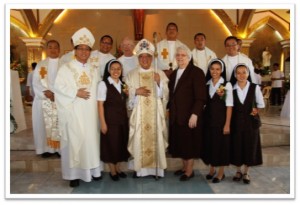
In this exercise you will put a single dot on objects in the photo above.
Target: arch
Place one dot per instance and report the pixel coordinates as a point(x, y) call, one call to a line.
point(277, 26)
point(48, 21)
point(226, 20)
point(20, 25)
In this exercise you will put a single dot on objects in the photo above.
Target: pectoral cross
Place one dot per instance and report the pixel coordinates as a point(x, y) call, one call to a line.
point(164, 53)
point(43, 72)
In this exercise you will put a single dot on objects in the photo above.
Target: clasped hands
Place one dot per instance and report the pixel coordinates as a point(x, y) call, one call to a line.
point(49, 94)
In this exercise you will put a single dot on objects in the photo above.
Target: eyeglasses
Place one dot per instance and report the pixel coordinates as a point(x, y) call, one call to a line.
point(83, 49)
point(106, 43)
point(231, 45)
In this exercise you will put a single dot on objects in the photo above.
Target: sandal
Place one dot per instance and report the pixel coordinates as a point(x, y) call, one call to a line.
point(238, 176)
point(246, 178)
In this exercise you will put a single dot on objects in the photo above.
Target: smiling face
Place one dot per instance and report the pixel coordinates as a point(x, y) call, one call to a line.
point(145, 60)
point(182, 58)
point(82, 53)
point(231, 47)
point(242, 74)
point(215, 71)
point(115, 71)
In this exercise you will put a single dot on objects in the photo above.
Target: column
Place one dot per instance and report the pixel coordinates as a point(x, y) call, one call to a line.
point(34, 47)
point(246, 45)
point(285, 53)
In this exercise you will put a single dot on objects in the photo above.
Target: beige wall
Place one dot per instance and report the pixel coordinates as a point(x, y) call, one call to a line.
point(119, 23)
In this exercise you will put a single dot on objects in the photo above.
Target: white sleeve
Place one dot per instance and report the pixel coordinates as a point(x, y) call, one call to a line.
point(101, 91)
point(229, 95)
point(259, 97)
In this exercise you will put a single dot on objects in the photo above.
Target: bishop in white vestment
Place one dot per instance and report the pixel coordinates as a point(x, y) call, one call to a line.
point(75, 89)
point(148, 95)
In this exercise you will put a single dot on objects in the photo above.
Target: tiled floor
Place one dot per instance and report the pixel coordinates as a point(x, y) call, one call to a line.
point(267, 181)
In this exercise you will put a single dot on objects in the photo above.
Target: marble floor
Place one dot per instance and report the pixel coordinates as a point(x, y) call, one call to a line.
point(266, 181)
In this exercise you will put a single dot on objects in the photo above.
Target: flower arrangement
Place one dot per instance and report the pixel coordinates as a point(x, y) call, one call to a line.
point(17, 66)
point(221, 91)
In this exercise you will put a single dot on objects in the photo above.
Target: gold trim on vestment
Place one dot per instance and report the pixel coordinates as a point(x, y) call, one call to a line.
point(148, 122)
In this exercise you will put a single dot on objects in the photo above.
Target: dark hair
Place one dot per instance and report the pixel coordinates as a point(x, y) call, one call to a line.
point(172, 24)
point(231, 38)
point(106, 72)
point(107, 36)
point(199, 34)
point(52, 41)
point(33, 65)
point(276, 64)
point(219, 62)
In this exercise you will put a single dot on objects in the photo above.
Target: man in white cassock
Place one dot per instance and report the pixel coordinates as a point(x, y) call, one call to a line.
point(44, 112)
point(100, 57)
point(75, 90)
point(202, 55)
point(148, 96)
point(166, 49)
point(234, 57)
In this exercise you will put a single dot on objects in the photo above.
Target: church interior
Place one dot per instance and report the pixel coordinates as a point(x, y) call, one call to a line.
point(259, 28)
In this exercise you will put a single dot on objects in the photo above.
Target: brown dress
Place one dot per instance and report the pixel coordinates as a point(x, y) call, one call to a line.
point(113, 144)
point(189, 97)
point(245, 140)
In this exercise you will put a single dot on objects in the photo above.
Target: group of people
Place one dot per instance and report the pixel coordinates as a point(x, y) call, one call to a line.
point(94, 109)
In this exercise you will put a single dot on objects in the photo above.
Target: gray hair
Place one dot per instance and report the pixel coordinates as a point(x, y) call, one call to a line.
point(185, 49)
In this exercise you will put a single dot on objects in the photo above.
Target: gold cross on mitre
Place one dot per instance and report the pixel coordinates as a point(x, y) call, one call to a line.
point(164, 53)
point(43, 72)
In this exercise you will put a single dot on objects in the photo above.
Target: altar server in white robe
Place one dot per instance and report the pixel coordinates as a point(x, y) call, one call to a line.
point(202, 55)
point(44, 112)
point(234, 57)
point(148, 96)
point(75, 90)
point(100, 57)
point(128, 59)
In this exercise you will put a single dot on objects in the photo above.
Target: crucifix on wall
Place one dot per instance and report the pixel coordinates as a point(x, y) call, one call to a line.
point(139, 19)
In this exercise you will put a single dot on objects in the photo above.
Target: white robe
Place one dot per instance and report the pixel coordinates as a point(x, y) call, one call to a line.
point(38, 124)
point(67, 57)
point(79, 123)
point(134, 142)
point(164, 61)
point(99, 60)
point(129, 63)
point(240, 58)
point(202, 58)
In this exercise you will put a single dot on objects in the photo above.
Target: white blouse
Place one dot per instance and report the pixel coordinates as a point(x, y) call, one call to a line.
point(228, 90)
point(242, 93)
point(102, 89)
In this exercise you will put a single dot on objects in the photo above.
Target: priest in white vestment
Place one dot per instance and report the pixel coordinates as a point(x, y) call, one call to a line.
point(166, 48)
point(44, 112)
point(202, 55)
point(99, 58)
point(75, 90)
point(233, 57)
point(148, 96)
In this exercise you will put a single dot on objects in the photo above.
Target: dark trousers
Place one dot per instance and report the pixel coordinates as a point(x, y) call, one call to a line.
point(276, 96)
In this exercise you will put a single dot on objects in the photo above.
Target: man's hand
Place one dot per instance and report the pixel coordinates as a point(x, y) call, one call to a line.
point(49, 94)
point(82, 93)
point(142, 91)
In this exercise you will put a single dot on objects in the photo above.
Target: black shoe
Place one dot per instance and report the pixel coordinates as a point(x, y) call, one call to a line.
point(97, 178)
point(135, 176)
point(209, 177)
point(46, 155)
point(238, 176)
point(217, 180)
point(186, 177)
point(179, 172)
point(114, 177)
point(246, 178)
point(122, 175)
point(57, 154)
point(74, 183)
